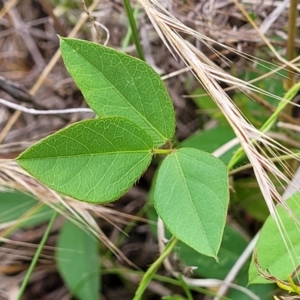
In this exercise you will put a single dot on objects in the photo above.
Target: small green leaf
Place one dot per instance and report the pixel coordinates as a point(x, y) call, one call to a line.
point(272, 254)
point(191, 197)
point(78, 261)
point(94, 160)
point(115, 84)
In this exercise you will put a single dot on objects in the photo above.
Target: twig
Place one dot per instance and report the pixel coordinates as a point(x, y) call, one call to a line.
point(176, 73)
point(288, 126)
point(91, 18)
point(105, 29)
point(44, 112)
point(15, 90)
point(273, 16)
point(56, 56)
point(46, 71)
point(268, 43)
point(226, 147)
point(48, 9)
point(24, 34)
point(7, 6)
point(37, 255)
point(9, 125)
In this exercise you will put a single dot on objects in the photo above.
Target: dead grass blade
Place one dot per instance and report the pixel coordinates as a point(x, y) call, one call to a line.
point(258, 147)
point(13, 177)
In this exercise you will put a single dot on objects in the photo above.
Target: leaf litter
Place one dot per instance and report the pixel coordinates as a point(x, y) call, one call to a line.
point(32, 36)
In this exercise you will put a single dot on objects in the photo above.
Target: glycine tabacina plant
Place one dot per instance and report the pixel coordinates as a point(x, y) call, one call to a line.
point(98, 160)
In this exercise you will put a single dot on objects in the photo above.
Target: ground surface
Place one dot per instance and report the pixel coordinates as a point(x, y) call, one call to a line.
point(28, 43)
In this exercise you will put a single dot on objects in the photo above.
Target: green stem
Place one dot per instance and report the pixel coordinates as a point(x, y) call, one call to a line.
point(163, 279)
point(288, 97)
point(186, 288)
point(133, 26)
point(163, 151)
point(128, 35)
point(153, 268)
point(36, 256)
point(273, 159)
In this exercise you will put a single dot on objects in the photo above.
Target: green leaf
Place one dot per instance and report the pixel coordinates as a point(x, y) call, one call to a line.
point(247, 194)
point(262, 291)
point(94, 160)
point(207, 105)
point(15, 205)
point(272, 255)
point(212, 139)
point(232, 246)
point(191, 197)
point(78, 261)
point(173, 297)
point(115, 84)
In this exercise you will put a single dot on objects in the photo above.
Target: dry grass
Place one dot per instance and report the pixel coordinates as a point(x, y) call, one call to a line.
point(210, 37)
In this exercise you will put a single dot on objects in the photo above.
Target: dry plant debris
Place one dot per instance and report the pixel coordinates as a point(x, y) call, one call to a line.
point(31, 74)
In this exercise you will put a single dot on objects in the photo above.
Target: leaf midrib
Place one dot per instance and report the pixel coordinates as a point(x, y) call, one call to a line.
point(192, 202)
point(87, 154)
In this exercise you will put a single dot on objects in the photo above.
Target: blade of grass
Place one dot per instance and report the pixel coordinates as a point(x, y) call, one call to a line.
point(186, 288)
point(36, 256)
point(133, 26)
point(127, 38)
point(21, 220)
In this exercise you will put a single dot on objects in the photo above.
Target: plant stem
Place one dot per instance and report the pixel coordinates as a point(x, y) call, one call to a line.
point(153, 268)
point(162, 151)
point(134, 29)
point(36, 256)
point(163, 279)
point(128, 35)
point(288, 97)
point(186, 288)
point(274, 159)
